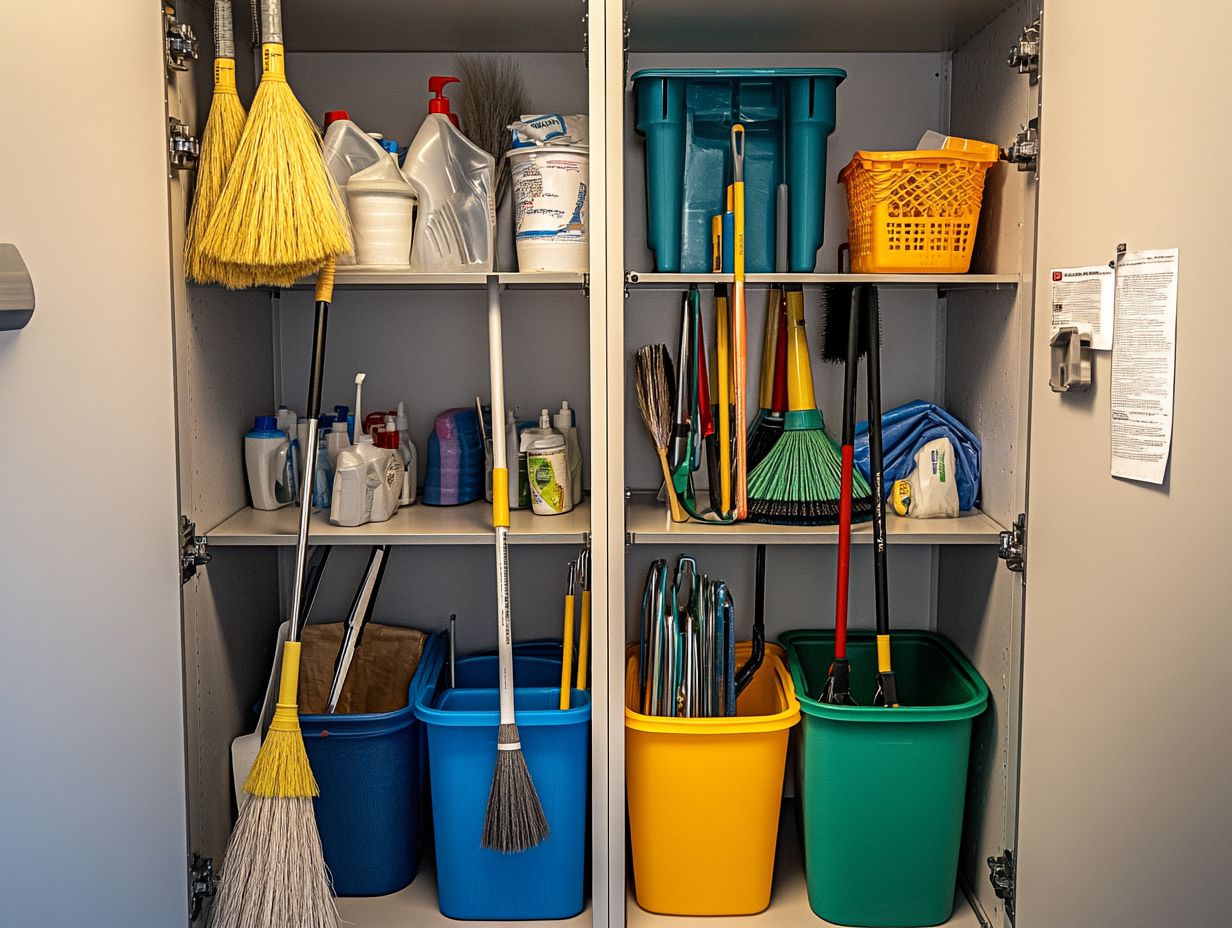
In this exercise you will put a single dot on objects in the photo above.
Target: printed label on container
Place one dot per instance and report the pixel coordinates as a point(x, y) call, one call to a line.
point(547, 482)
point(550, 197)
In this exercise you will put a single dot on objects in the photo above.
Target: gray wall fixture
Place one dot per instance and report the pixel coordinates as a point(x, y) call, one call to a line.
point(16, 290)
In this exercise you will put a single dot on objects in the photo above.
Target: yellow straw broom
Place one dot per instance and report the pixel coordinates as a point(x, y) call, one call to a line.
point(274, 874)
point(221, 139)
point(279, 216)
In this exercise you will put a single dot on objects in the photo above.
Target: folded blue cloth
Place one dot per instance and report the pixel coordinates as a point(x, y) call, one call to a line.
point(906, 429)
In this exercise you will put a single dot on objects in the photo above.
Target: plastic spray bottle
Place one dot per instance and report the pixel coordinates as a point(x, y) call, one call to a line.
point(563, 422)
point(271, 476)
point(410, 458)
point(547, 470)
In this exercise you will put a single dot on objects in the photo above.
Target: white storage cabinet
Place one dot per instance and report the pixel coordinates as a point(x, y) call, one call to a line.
point(1097, 764)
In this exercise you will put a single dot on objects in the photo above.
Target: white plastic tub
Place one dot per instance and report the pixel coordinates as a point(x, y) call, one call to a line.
point(551, 206)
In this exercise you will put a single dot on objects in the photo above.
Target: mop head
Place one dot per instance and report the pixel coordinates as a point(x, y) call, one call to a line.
point(274, 874)
point(799, 481)
point(279, 216)
point(218, 146)
point(515, 821)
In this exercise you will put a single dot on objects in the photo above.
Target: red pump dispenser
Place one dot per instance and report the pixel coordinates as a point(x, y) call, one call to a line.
point(440, 102)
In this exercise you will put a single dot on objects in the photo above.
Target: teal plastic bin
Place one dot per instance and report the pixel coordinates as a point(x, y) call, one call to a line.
point(686, 115)
point(882, 790)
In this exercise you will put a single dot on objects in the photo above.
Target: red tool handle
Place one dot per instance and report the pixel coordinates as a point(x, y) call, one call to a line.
point(844, 556)
point(778, 402)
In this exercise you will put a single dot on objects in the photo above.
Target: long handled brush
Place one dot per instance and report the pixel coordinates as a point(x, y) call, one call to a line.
point(566, 640)
point(583, 563)
point(279, 216)
point(844, 339)
point(221, 138)
point(739, 326)
point(798, 482)
point(514, 821)
point(274, 872)
point(887, 685)
point(654, 400)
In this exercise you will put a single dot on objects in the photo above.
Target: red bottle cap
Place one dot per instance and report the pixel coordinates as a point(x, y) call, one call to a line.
point(373, 421)
point(335, 115)
point(440, 102)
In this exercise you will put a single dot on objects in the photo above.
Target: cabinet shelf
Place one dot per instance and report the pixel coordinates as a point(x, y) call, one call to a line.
point(655, 281)
point(413, 525)
point(648, 522)
point(358, 277)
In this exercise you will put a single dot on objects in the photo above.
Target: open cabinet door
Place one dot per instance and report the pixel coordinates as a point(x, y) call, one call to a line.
point(92, 798)
point(1124, 813)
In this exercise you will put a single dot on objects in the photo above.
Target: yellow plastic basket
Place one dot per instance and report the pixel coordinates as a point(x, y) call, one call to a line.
point(916, 212)
point(704, 796)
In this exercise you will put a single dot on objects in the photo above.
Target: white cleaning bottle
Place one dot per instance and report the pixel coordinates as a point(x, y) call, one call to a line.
point(563, 422)
point(410, 458)
point(382, 203)
point(347, 149)
point(271, 479)
point(336, 441)
point(288, 422)
point(455, 180)
point(547, 470)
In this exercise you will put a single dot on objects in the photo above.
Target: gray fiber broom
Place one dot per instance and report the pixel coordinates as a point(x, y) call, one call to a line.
point(514, 821)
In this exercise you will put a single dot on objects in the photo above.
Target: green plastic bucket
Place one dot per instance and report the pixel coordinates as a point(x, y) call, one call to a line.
point(882, 790)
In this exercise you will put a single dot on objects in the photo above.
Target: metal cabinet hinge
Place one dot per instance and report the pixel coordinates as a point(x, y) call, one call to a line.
point(1025, 55)
point(1001, 874)
point(1025, 150)
point(179, 41)
point(201, 883)
point(183, 147)
point(1012, 545)
point(194, 550)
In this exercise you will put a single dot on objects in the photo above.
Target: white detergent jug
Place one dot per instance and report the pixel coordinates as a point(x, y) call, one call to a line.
point(367, 483)
point(382, 205)
point(347, 150)
point(455, 228)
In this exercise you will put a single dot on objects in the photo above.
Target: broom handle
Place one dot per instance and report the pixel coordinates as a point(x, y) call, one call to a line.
point(876, 459)
point(500, 507)
point(224, 31)
point(848, 451)
point(739, 332)
point(324, 295)
point(271, 22)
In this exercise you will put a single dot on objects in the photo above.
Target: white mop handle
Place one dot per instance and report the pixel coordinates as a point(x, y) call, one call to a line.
point(309, 454)
point(504, 608)
point(496, 372)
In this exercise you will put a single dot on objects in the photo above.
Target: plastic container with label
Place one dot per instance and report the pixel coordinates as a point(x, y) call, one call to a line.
point(551, 193)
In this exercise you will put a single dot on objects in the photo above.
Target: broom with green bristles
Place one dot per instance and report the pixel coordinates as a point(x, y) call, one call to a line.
point(279, 216)
point(799, 481)
point(218, 144)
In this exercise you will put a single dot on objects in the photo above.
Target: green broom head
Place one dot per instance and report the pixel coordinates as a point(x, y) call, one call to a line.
point(799, 481)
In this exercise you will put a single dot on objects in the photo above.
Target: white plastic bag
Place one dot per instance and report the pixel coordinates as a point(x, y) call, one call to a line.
point(930, 491)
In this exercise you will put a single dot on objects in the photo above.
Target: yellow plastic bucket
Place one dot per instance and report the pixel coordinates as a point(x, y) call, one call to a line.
point(704, 796)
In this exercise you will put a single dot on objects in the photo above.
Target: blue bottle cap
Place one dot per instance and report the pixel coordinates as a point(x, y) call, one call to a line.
point(390, 145)
point(265, 424)
point(340, 412)
point(325, 422)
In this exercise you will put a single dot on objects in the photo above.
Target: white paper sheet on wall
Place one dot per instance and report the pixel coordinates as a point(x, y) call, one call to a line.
point(1083, 297)
point(1144, 363)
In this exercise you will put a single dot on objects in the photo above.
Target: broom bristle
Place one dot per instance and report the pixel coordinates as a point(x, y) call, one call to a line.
point(279, 216)
point(763, 435)
point(652, 365)
point(274, 871)
point(799, 482)
point(515, 821)
point(218, 144)
point(494, 96)
point(836, 310)
point(281, 769)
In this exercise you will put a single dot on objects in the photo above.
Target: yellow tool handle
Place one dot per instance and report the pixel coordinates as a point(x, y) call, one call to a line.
point(765, 396)
point(721, 350)
point(800, 395)
point(716, 243)
point(500, 497)
point(273, 62)
point(224, 76)
point(566, 663)
point(286, 711)
point(584, 641)
point(678, 514)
